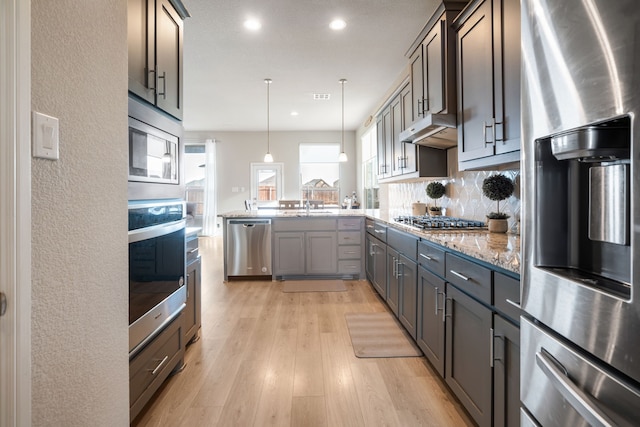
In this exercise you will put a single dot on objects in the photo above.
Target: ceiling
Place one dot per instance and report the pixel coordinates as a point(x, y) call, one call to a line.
point(225, 65)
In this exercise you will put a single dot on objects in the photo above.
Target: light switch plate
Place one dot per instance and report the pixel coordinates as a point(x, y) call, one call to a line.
point(46, 136)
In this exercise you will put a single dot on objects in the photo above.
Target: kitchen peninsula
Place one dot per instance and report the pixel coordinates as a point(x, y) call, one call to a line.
point(496, 249)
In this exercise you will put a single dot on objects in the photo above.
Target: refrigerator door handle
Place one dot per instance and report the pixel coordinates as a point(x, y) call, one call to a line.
point(579, 400)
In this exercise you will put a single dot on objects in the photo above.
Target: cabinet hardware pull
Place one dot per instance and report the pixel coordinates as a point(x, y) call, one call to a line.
point(491, 349)
point(513, 303)
point(155, 371)
point(192, 251)
point(444, 310)
point(380, 231)
point(395, 268)
point(427, 257)
point(163, 94)
point(370, 227)
point(372, 250)
point(350, 252)
point(436, 292)
point(578, 399)
point(493, 128)
point(484, 132)
point(462, 276)
point(3, 303)
point(149, 79)
point(420, 110)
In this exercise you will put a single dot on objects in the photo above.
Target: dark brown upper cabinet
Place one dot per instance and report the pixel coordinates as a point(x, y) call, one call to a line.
point(488, 76)
point(155, 34)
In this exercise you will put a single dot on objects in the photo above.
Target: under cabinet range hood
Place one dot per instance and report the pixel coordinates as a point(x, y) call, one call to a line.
point(433, 130)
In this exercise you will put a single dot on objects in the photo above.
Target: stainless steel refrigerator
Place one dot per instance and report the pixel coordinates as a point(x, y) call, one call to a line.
point(580, 338)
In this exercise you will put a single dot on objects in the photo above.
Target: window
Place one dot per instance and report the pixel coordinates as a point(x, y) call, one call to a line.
point(369, 169)
point(320, 173)
point(266, 183)
point(194, 177)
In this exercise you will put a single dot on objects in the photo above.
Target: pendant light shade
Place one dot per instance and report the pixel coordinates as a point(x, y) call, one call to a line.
point(268, 158)
point(343, 156)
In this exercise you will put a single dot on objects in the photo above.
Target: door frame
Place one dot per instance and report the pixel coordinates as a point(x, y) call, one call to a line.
point(15, 214)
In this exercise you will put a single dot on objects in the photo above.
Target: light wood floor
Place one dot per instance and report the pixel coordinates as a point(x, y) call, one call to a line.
point(268, 358)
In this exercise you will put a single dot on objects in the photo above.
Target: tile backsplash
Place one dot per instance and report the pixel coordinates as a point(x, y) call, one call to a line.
point(463, 197)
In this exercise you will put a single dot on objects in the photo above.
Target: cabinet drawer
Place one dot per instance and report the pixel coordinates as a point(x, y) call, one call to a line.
point(350, 252)
point(349, 237)
point(507, 288)
point(349, 266)
point(404, 243)
point(149, 368)
point(431, 258)
point(354, 224)
point(377, 229)
point(468, 276)
point(192, 249)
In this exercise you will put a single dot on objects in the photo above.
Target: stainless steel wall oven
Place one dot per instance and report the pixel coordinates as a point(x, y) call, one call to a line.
point(581, 238)
point(156, 267)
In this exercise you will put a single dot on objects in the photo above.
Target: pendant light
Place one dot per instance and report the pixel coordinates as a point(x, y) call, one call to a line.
point(268, 158)
point(343, 156)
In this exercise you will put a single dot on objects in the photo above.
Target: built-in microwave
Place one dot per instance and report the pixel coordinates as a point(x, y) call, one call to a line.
point(153, 154)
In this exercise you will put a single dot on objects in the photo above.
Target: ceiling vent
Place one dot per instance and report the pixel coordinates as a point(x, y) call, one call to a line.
point(321, 96)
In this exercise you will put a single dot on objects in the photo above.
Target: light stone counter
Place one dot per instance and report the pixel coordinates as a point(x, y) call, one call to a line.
point(500, 250)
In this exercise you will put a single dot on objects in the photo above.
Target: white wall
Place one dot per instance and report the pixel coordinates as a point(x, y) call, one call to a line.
point(237, 150)
point(79, 202)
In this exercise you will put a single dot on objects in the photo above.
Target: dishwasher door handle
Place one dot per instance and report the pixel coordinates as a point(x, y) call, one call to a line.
point(248, 225)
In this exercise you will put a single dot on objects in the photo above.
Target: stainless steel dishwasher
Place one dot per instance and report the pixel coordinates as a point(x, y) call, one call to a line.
point(248, 247)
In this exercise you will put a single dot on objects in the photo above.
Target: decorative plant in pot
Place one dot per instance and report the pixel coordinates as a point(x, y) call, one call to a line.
point(435, 190)
point(497, 187)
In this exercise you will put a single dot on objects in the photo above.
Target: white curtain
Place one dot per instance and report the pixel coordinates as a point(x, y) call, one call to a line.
point(210, 208)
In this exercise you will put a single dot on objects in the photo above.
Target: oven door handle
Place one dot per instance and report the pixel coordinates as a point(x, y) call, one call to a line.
point(578, 399)
point(156, 230)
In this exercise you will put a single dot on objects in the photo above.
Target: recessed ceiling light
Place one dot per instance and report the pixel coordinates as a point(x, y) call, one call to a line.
point(337, 24)
point(252, 24)
point(321, 96)
point(294, 113)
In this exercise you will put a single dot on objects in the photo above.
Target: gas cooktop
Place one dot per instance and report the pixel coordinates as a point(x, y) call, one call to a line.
point(440, 222)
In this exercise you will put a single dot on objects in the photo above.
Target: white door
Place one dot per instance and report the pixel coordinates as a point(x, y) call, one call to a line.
point(15, 213)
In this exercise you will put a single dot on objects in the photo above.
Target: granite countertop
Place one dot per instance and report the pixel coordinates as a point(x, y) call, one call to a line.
point(499, 249)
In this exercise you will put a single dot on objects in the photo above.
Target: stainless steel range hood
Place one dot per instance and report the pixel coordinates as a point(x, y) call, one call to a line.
point(433, 130)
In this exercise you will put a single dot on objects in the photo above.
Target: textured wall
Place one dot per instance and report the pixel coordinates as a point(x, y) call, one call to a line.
point(463, 197)
point(80, 248)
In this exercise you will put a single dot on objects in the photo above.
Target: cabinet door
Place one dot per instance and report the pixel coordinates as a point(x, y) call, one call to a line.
point(193, 309)
point(506, 373)
point(475, 85)
point(288, 250)
point(169, 38)
point(396, 127)
point(387, 146)
point(408, 298)
point(417, 84)
point(430, 321)
point(382, 166)
point(393, 282)
point(410, 150)
point(321, 252)
point(433, 51)
point(507, 74)
point(380, 269)
point(468, 370)
point(140, 30)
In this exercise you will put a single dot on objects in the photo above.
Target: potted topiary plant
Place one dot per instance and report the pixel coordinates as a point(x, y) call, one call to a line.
point(435, 190)
point(497, 187)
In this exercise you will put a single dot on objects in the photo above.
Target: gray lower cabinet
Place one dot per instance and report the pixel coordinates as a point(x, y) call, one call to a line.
point(321, 253)
point(152, 365)
point(305, 247)
point(393, 282)
point(506, 373)
point(376, 265)
point(192, 311)
point(468, 343)
point(289, 251)
point(430, 318)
